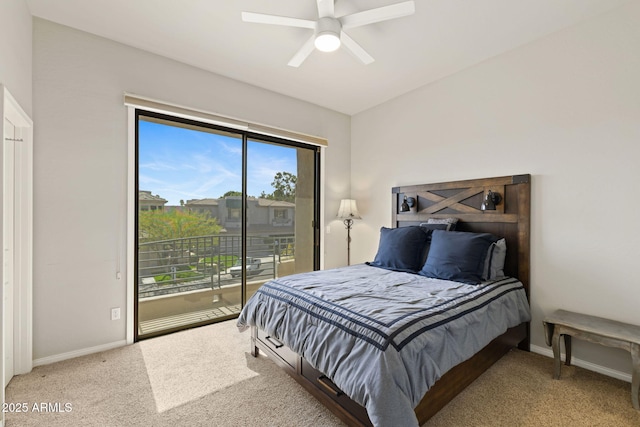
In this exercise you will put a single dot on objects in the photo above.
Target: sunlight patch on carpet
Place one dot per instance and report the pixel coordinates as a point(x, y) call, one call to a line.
point(180, 372)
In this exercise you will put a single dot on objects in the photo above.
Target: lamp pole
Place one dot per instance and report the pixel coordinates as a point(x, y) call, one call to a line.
point(348, 223)
point(347, 213)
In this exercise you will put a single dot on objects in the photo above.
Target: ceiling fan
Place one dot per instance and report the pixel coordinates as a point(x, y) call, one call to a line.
point(329, 29)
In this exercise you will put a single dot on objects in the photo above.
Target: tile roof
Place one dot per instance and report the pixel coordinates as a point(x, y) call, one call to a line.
point(146, 195)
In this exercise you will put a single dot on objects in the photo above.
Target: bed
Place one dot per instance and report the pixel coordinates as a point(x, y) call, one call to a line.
point(399, 341)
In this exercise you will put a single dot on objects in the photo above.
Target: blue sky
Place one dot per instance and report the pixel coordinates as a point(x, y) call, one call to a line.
point(177, 163)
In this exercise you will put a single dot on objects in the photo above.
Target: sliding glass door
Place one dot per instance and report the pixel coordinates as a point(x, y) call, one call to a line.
point(281, 211)
point(219, 212)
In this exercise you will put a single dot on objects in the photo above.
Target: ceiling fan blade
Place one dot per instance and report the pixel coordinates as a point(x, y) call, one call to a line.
point(372, 16)
point(260, 18)
point(357, 50)
point(325, 8)
point(303, 53)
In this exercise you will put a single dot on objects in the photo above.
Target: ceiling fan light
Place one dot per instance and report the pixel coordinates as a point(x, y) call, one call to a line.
point(327, 41)
point(327, 34)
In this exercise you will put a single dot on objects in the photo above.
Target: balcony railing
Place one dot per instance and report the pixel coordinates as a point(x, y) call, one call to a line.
point(205, 262)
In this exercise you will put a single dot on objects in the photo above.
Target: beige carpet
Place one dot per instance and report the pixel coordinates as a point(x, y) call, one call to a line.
point(206, 377)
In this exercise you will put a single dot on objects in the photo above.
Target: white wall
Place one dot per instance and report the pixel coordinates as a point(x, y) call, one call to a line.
point(15, 50)
point(565, 109)
point(81, 170)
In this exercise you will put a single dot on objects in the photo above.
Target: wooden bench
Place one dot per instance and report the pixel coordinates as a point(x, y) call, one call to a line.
point(597, 330)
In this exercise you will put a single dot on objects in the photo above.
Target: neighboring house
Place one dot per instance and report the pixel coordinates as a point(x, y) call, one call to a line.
point(264, 216)
point(149, 202)
point(203, 206)
point(280, 214)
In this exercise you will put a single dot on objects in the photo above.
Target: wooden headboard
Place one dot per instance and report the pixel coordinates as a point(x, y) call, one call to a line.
point(463, 199)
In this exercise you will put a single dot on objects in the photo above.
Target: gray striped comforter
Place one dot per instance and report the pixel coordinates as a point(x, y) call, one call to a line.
point(384, 337)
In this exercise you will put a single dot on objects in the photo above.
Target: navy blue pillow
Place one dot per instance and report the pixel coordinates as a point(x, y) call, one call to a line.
point(457, 255)
point(427, 226)
point(402, 249)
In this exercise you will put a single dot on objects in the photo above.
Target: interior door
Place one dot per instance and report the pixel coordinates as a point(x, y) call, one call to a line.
point(8, 248)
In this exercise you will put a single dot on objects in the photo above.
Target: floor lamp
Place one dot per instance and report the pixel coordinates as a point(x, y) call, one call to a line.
point(347, 212)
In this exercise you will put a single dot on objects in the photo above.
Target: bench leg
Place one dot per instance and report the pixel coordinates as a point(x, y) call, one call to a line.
point(548, 332)
point(555, 345)
point(567, 350)
point(635, 379)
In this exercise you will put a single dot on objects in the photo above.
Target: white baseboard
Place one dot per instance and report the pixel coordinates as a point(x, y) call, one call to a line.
point(583, 364)
point(77, 353)
point(544, 351)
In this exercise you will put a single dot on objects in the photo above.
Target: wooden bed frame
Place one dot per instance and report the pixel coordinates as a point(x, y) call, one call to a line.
point(462, 200)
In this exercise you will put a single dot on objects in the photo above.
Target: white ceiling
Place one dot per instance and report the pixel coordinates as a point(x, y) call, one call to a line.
point(441, 38)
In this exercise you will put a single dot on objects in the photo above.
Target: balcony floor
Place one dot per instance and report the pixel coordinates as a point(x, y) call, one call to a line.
point(181, 320)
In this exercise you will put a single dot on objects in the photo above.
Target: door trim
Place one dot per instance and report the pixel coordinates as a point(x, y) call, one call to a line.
point(9, 133)
point(23, 234)
point(131, 321)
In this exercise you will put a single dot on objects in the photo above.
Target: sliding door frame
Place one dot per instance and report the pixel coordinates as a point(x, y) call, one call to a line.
point(317, 154)
point(133, 203)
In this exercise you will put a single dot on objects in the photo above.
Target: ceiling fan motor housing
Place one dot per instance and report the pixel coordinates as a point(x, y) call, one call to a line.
point(328, 34)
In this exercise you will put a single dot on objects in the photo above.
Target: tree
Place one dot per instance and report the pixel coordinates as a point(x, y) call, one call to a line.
point(285, 187)
point(231, 193)
point(175, 224)
point(163, 235)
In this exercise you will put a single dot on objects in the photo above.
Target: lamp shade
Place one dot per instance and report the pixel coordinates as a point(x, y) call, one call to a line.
point(348, 209)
